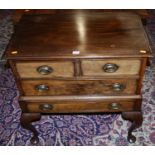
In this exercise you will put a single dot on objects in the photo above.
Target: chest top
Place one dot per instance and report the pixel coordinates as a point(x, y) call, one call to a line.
point(79, 34)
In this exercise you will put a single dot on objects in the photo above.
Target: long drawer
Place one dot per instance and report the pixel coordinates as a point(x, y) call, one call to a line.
point(90, 87)
point(76, 107)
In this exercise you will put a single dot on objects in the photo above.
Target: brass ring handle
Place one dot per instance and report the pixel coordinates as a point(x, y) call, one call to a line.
point(118, 87)
point(44, 70)
point(110, 68)
point(45, 107)
point(41, 87)
point(114, 106)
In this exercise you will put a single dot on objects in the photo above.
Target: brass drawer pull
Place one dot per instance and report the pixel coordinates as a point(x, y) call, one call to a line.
point(114, 106)
point(45, 107)
point(110, 68)
point(118, 87)
point(44, 70)
point(41, 88)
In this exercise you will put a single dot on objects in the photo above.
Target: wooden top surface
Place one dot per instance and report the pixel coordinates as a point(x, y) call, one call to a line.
point(93, 34)
point(18, 13)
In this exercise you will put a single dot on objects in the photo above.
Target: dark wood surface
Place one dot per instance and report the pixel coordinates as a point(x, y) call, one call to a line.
point(78, 81)
point(78, 98)
point(18, 13)
point(26, 120)
point(93, 34)
point(80, 107)
point(136, 121)
point(59, 87)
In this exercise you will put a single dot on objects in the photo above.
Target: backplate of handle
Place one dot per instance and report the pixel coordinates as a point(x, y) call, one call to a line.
point(118, 87)
point(114, 106)
point(45, 107)
point(41, 87)
point(110, 68)
point(44, 70)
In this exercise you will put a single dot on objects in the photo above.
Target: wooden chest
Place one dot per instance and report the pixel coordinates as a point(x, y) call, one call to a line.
point(79, 62)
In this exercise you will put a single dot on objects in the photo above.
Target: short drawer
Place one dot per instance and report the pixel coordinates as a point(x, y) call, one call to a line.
point(75, 107)
point(110, 67)
point(91, 87)
point(45, 69)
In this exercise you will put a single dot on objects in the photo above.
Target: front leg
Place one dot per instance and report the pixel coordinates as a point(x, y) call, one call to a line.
point(26, 120)
point(136, 118)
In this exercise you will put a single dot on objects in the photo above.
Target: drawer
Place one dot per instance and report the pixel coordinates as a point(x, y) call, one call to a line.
point(45, 69)
point(70, 107)
point(60, 87)
point(110, 67)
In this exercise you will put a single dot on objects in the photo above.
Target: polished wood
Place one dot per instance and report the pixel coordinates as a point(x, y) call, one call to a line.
point(26, 120)
point(77, 98)
point(125, 67)
point(97, 34)
point(57, 87)
point(60, 69)
point(80, 107)
point(77, 68)
point(18, 13)
point(16, 75)
point(136, 119)
point(68, 62)
point(141, 73)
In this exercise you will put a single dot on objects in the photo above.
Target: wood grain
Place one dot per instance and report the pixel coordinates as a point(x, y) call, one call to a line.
point(60, 69)
point(93, 34)
point(76, 107)
point(16, 16)
point(95, 68)
point(78, 98)
point(59, 87)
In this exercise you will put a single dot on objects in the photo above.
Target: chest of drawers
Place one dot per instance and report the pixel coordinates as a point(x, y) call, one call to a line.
point(79, 63)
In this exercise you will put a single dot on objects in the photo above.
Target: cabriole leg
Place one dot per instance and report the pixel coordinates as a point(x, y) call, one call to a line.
point(26, 120)
point(136, 119)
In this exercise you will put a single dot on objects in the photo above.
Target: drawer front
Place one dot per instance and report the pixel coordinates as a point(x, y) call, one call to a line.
point(110, 67)
point(70, 107)
point(59, 87)
point(45, 69)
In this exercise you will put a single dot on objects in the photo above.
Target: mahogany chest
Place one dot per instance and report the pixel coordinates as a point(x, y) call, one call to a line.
point(79, 62)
